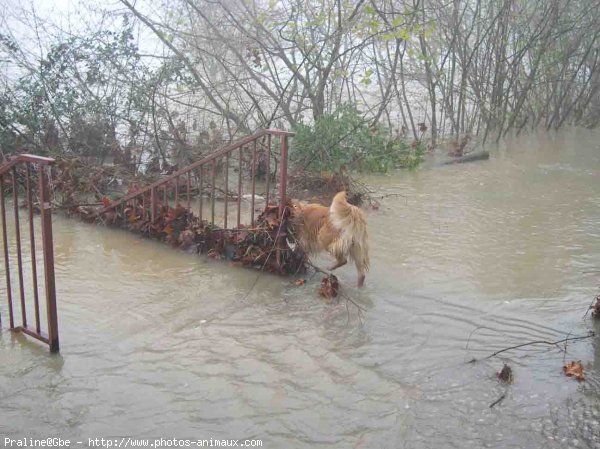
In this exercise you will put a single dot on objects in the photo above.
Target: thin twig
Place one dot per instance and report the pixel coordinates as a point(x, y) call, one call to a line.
point(387, 195)
point(497, 401)
point(565, 351)
point(471, 334)
point(596, 298)
point(543, 342)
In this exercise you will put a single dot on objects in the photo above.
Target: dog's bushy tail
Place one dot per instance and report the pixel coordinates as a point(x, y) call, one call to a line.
point(350, 221)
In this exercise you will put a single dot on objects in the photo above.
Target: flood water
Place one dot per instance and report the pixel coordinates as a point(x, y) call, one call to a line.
point(466, 260)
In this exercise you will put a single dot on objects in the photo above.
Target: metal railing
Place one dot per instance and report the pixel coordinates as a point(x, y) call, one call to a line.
point(33, 172)
point(201, 176)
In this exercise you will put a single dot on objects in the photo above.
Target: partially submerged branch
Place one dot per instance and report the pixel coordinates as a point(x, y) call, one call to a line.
point(556, 343)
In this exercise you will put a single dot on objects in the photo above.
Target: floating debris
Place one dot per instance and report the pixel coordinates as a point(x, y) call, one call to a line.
point(574, 369)
point(264, 245)
point(505, 374)
point(330, 286)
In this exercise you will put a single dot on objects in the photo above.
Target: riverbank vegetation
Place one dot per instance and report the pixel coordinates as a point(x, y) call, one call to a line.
point(366, 85)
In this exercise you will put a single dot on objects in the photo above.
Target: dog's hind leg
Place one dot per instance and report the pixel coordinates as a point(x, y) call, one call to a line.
point(362, 273)
point(361, 260)
point(361, 279)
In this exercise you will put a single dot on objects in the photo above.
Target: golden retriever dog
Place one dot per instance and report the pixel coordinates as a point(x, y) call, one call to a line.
point(340, 229)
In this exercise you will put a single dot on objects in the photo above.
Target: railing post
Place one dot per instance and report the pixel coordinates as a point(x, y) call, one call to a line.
point(282, 195)
point(153, 204)
point(253, 183)
point(283, 174)
point(239, 197)
point(226, 189)
point(46, 219)
point(268, 169)
point(6, 257)
point(15, 186)
point(212, 190)
point(200, 184)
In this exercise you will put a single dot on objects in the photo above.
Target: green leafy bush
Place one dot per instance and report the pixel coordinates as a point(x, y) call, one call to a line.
point(344, 139)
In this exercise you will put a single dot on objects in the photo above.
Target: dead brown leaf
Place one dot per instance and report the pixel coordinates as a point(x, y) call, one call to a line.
point(574, 369)
point(505, 374)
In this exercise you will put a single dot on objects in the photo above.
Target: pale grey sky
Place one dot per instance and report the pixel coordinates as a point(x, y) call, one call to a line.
point(37, 24)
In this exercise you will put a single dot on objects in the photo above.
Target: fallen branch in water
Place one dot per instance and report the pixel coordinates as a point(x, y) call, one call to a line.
point(544, 342)
point(388, 195)
point(565, 350)
point(498, 401)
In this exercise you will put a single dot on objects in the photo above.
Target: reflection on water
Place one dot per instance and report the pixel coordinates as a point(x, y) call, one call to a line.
point(160, 343)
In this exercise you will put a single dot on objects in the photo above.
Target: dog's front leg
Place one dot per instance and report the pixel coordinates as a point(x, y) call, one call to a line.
point(341, 261)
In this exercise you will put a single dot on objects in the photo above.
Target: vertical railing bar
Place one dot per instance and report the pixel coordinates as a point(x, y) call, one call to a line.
point(6, 258)
point(283, 175)
point(46, 219)
point(36, 301)
point(200, 191)
point(189, 203)
point(268, 175)
point(282, 194)
point(18, 238)
point(253, 182)
point(212, 199)
point(226, 189)
point(239, 198)
point(153, 204)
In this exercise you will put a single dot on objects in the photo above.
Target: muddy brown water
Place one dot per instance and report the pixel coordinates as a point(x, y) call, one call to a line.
point(157, 343)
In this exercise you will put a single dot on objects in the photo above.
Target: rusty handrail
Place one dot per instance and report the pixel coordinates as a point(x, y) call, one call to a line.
point(32, 158)
point(219, 153)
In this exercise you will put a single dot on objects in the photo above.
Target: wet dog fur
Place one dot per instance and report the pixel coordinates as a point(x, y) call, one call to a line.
point(340, 229)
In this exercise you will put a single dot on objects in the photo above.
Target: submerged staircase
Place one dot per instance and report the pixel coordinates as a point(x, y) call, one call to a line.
point(196, 186)
point(229, 175)
point(220, 206)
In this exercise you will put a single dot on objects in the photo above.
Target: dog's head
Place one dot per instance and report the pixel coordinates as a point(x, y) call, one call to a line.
point(297, 206)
